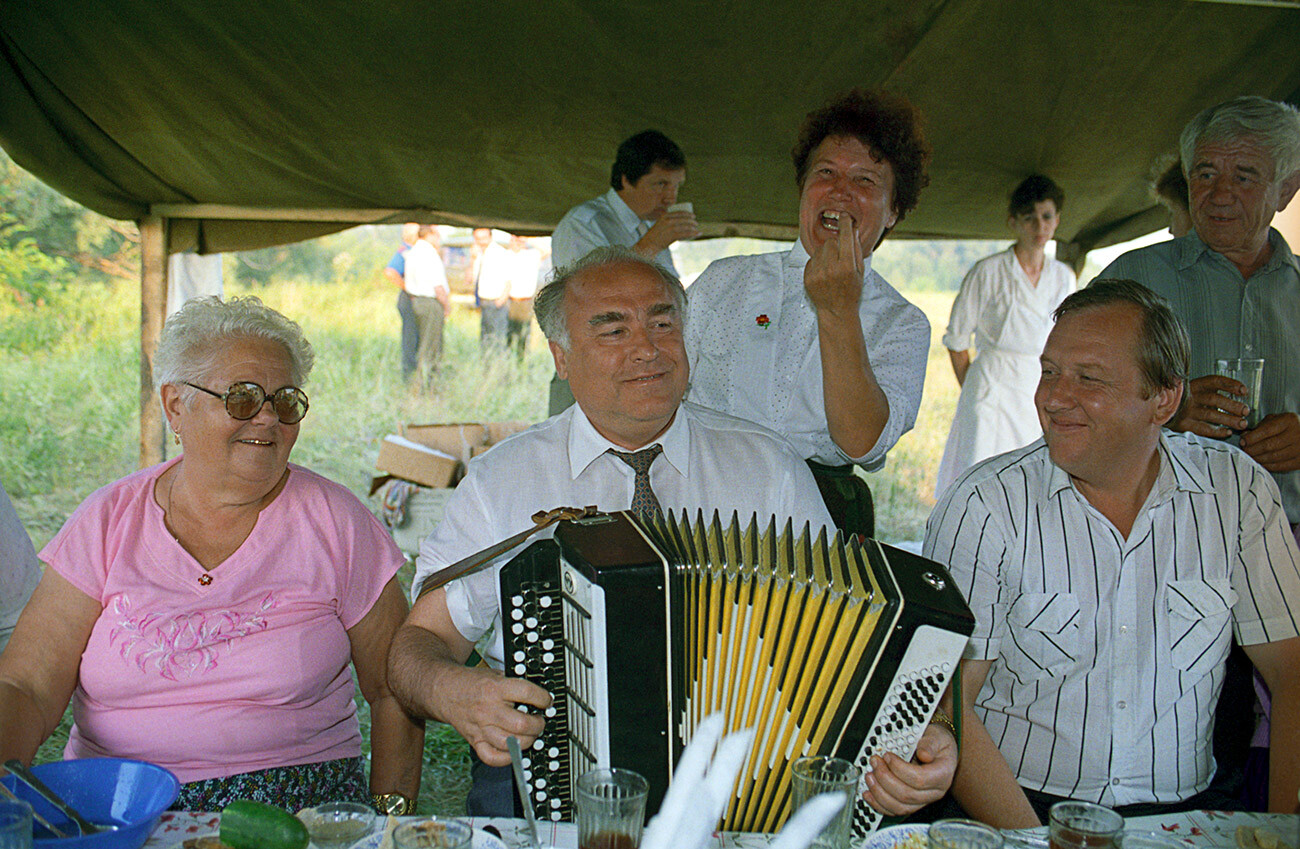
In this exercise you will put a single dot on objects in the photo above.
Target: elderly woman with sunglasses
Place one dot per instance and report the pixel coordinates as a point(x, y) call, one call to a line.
point(201, 614)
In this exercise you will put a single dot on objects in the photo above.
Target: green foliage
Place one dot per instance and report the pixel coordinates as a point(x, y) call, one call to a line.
point(28, 276)
point(102, 249)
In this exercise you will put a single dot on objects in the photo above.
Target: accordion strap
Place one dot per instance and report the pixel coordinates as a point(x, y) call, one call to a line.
point(542, 519)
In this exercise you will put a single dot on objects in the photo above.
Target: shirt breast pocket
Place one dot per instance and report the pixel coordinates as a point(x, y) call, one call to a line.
point(1042, 635)
point(1200, 631)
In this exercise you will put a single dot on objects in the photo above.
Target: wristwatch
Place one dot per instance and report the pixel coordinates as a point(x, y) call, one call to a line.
point(393, 804)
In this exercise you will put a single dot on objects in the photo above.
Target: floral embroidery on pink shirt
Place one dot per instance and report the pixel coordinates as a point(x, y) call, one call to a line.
point(182, 645)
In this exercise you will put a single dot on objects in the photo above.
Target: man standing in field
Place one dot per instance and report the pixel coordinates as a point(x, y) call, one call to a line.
point(426, 282)
point(395, 271)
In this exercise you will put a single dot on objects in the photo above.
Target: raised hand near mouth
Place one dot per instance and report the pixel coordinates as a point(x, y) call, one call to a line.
point(833, 276)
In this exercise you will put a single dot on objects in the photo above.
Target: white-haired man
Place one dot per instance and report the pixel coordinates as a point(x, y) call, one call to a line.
point(614, 321)
point(1234, 282)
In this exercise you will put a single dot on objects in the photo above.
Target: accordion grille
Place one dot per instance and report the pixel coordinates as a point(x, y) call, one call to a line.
point(776, 638)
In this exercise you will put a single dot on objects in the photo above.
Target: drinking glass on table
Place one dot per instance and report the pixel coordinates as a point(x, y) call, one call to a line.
point(963, 834)
point(1082, 825)
point(433, 833)
point(611, 809)
point(337, 825)
point(1249, 372)
point(814, 776)
point(15, 824)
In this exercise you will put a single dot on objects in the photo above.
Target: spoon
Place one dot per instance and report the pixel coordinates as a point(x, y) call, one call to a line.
point(24, 775)
point(9, 794)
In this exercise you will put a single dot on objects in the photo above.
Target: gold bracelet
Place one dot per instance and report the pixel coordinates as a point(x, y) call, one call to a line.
point(940, 718)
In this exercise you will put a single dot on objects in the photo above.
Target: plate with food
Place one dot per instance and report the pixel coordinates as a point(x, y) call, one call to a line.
point(899, 837)
point(382, 840)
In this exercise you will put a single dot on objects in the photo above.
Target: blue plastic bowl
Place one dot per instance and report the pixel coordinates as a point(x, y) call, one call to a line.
point(129, 794)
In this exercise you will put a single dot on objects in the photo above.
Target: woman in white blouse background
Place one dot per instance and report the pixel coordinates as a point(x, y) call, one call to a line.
point(1004, 311)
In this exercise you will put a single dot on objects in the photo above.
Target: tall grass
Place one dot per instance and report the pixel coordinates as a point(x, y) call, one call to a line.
point(69, 418)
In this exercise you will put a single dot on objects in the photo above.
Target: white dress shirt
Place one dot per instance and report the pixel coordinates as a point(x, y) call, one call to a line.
point(525, 272)
point(751, 336)
point(605, 220)
point(492, 273)
point(710, 461)
point(425, 274)
point(1108, 653)
point(1006, 318)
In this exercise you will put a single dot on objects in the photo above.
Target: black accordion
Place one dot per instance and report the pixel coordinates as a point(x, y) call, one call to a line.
point(641, 629)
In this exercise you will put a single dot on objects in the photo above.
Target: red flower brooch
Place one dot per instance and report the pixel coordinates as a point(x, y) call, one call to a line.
point(763, 321)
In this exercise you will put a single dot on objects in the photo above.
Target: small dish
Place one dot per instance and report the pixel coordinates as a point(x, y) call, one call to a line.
point(897, 837)
point(482, 840)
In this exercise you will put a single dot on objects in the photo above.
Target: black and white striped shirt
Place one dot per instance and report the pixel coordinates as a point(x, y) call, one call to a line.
point(1080, 621)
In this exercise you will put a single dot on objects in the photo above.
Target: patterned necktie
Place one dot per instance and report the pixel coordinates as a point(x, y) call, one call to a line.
point(644, 503)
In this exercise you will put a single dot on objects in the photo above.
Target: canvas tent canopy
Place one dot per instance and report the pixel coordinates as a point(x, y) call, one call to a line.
point(224, 126)
point(508, 113)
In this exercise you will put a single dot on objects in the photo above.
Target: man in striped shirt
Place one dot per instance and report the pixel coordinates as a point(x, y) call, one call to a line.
point(1105, 564)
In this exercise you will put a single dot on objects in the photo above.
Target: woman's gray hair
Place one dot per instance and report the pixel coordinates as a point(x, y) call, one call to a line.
point(1164, 350)
point(192, 336)
point(1276, 126)
point(548, 305)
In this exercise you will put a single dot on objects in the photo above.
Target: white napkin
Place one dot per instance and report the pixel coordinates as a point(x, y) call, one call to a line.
point(702, 786)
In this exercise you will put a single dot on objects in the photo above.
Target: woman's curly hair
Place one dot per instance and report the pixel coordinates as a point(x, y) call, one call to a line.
point(888, 125)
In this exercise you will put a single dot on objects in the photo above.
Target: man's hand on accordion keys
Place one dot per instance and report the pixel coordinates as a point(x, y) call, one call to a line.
point(897, 787)
point(490, 708)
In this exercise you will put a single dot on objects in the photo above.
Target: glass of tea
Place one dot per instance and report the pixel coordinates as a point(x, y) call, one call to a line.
point(818, 774)
point(1083, 825)
point(611, 809)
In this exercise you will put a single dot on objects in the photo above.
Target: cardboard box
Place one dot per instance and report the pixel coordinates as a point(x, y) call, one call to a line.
point(404, 458)
point(435, 455)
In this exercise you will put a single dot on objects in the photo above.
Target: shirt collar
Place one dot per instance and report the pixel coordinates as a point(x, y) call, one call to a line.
point(586, 444)
point(1188, 249)
point(1175, 475)
point(622, 211)
point(798, 257)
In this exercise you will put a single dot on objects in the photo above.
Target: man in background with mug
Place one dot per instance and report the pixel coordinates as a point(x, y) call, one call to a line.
point(639, 211)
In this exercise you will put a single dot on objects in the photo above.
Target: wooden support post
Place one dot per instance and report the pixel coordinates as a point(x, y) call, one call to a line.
point(1072, 254)
point(153, 312)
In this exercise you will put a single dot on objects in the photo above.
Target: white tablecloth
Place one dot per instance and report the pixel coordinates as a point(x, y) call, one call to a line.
point(1202, 828)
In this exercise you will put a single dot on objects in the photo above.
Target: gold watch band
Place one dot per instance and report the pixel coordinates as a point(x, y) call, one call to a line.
point(940, 718)
point(393, 804)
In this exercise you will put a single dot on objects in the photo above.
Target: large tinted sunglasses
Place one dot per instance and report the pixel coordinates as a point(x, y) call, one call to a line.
point(244, 400)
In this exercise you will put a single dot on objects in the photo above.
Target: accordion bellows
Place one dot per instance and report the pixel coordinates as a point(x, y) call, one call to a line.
point(641, 629)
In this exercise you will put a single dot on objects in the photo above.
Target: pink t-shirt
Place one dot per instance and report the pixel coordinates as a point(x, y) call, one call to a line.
point(246, 671)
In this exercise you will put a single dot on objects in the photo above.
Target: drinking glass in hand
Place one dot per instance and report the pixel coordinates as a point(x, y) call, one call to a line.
point(1251, 373)
point(15, 824)
point(821, 774)
point(611, 809)
point(1082, 825)
point(963, 834)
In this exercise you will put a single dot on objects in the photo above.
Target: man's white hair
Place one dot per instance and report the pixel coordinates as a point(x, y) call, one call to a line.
point(548, 305)
point(1274, 125)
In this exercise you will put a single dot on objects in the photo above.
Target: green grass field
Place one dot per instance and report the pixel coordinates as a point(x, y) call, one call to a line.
point(69, 419)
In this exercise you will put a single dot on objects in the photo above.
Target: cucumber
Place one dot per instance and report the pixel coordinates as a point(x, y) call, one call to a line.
point(246, 824)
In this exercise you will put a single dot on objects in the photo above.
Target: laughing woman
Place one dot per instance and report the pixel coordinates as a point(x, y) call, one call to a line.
point(203, 614)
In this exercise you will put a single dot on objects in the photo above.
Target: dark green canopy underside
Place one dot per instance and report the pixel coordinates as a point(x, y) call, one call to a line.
point(508, 113)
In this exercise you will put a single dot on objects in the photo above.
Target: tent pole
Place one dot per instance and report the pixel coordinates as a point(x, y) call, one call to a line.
point(153, 309)
point(1072, 254)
